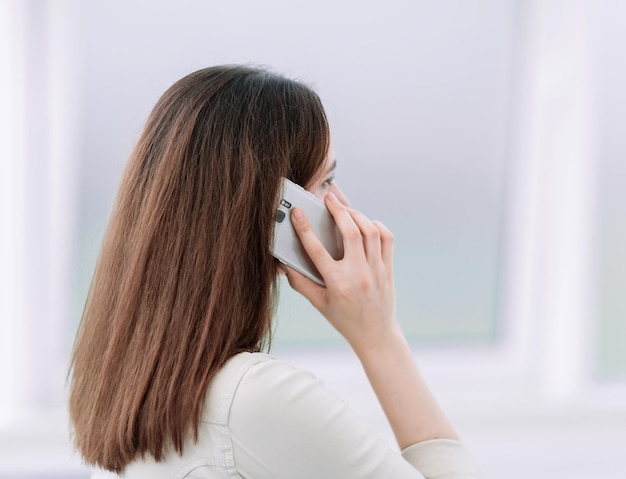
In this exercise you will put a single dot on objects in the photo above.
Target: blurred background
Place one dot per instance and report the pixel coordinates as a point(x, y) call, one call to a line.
point(486, 135)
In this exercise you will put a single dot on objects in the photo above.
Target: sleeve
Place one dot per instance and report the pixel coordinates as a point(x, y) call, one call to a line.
point(285, 423)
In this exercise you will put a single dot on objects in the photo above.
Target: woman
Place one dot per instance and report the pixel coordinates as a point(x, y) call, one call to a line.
point(167, 375)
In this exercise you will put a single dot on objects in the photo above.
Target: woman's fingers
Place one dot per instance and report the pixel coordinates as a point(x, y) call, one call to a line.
point(386, 243)
point(371, 236)
point(350, 232)
point(363, 240)
point(312, 245)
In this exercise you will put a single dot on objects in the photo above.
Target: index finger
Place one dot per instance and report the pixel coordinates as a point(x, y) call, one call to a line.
point(311, 243)
point(350, 232)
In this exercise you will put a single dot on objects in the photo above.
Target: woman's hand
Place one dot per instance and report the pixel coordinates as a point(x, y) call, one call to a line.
point(359, 297)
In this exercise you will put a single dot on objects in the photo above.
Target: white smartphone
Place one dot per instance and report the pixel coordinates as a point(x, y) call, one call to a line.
point(287, 247)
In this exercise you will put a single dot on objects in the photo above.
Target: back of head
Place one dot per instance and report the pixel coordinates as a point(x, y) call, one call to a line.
point(185, 278)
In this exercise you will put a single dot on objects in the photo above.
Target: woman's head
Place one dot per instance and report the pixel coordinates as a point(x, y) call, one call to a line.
point(186, 278)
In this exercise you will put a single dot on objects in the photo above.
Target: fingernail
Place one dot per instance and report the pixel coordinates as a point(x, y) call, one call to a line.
point(297, 214)
point(332, 197)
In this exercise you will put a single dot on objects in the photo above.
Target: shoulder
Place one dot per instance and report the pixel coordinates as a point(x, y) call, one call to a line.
point(274, 391)
point(284, 422)
point(270, 380)
point(253, 382)
point(226, 382)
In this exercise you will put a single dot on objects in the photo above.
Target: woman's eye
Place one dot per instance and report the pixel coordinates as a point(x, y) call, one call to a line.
point(328, 181)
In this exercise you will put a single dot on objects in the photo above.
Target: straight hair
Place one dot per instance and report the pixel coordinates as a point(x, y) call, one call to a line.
point(185, 278)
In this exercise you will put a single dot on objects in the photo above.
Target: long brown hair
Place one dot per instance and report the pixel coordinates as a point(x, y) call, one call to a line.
point(185, 278)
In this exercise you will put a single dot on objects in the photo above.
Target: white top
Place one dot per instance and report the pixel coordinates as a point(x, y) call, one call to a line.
point(267, 419)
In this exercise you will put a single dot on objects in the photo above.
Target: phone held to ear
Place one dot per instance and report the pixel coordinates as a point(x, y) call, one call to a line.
point(287, 247)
